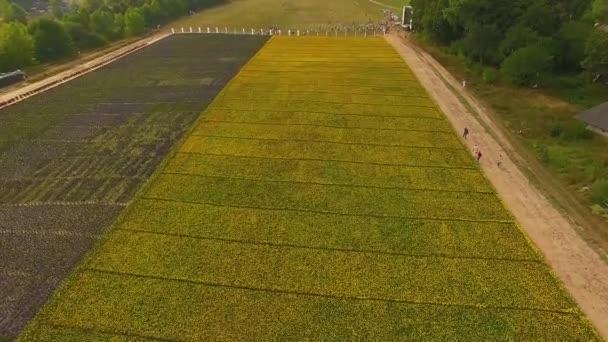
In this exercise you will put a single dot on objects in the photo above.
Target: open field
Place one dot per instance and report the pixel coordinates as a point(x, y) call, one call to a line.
point(73, 157)
point(286, 14)
point(322, 195)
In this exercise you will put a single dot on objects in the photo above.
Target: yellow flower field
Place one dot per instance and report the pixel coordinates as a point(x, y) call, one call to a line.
point(322, 195)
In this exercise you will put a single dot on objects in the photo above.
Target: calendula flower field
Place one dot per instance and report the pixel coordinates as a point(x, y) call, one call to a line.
point(322, 195)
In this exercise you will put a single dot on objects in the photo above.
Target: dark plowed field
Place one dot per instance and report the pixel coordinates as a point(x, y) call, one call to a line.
point(73, 157)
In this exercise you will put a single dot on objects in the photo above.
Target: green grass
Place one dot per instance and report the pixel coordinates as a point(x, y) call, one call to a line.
point(286, 14)
point(294, 216)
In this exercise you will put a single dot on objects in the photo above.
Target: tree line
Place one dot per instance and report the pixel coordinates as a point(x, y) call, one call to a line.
point(79, 25)
point(524, 39)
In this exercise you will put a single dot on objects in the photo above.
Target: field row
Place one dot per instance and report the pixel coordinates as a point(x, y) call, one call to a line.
point(330, 172)
point(337, 120)
point(328, 151)
point(328, 198)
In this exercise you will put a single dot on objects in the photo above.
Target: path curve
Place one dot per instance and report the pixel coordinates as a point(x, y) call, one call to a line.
point(580, 268)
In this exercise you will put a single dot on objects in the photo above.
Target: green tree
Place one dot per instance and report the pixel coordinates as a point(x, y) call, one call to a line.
point(596, 53)
point(16, 47)
point(481, 44)
point(599, 10)
point(51, 40)
point(527, 65)
point(102, 22)
point(12, 12)
point(134, 22)
point(56, 8)
point(518, 36)
point(571, 40)
point(83, 38)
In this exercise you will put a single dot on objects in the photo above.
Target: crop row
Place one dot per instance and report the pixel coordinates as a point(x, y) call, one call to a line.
point(330, 172)
point(357, 153)
point(450, 238)
point(98, 302)
point(329, 198)
point(346, 120)
point(520, 284)
point(330, 134)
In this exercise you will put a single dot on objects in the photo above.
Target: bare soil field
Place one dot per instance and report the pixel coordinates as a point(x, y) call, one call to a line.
point(74, 156)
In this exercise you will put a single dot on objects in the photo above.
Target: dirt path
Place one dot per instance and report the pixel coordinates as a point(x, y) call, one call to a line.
point(581, 269)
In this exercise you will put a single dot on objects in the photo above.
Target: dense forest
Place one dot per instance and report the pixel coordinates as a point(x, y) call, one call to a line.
point(526, 39)
point(75, 26)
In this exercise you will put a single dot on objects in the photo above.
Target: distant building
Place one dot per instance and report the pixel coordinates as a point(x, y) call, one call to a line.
point(596, 118)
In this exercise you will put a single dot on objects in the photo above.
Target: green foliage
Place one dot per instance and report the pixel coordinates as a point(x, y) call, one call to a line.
point(16, 47)
point(83, 38)
point(56, 7)
point(596, 51)
point(527, 65)
point(102, 22)
point(490, 75)
point(572, 130)
point(51, 40)
point(599, 10)
point(599, 192)
point(134, 22)
point(488, 32)
point(571, 39)
point(12, 12)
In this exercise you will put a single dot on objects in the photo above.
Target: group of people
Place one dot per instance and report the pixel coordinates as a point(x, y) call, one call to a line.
point(477, 151)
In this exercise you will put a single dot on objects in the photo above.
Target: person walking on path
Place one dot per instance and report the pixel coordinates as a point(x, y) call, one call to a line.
point(499, 162)
point(478, 156)
point(475, 150)
point(466, 133)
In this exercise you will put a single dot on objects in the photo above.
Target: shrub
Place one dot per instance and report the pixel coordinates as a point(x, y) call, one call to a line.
point(599, 192)
point(490, 75)
point(527, 66)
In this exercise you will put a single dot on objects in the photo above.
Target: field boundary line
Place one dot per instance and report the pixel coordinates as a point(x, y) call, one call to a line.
point(47, 233)
point(215, 109)
point(329, 92)
point(316, 84)
point(106, 332)
point(326, 126)
point(333, 78)
point(331, 249)
point(331, 160)
point(329, 142)
point(63, 203)
point(312, 294)
point(420, 218)
point(329, 184)
point(331, 102)
point(321, 71)
point(10, 179)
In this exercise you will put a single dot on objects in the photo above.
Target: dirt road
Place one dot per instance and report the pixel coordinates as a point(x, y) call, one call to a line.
point(581, 269)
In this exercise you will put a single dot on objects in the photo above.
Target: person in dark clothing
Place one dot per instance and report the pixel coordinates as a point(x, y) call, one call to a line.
point(466, 133)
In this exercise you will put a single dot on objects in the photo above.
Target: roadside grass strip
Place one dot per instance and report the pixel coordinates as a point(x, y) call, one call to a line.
point(322, 195)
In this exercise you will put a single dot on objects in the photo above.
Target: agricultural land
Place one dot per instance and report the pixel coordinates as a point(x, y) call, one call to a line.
point(73, 157)
point(321, 195)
